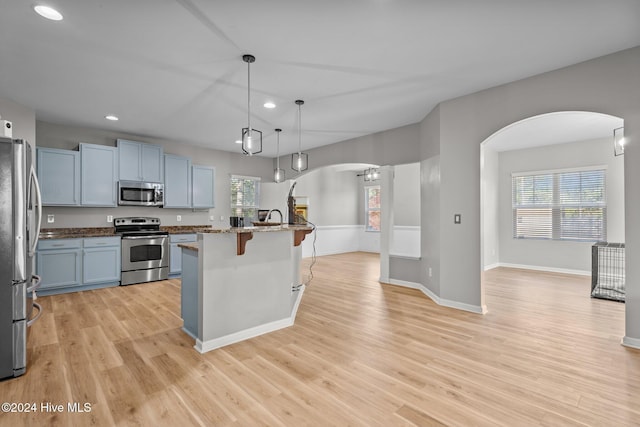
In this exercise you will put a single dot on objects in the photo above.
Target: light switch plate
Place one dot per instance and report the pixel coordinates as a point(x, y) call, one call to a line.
point(51, 218)
point(109, 218)
point(179, 218)
point(212, 218)
point(457, 218)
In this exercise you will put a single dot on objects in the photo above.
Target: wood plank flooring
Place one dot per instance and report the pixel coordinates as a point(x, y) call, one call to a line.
point(360, 354)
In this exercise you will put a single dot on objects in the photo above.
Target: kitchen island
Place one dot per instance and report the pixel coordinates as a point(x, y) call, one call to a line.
point(238, 283)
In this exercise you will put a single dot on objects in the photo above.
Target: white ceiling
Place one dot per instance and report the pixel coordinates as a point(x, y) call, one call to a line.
point(554, 128)
point(173, 69)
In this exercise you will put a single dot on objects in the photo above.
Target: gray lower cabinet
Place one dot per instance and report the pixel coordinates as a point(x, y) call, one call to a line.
point(70, 265)
point(59, 263)
point(101, 260)
point(175, 253)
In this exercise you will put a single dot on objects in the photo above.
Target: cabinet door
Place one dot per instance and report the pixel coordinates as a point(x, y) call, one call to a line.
point(99, 166)
point(59, 268)
point(203, 186)
point(151, 162)
point(177, 181)
point(101, 264)
point(129, 160)
point(59, 176)
point(175, 259)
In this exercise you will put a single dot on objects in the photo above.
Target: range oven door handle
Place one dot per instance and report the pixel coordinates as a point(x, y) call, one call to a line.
point(143, 237)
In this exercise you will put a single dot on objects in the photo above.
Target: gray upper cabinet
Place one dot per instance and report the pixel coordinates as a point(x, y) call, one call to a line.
point(139, 161)
point(59, 176)
point(203, 178)
point(177, 181)
point(99, 169)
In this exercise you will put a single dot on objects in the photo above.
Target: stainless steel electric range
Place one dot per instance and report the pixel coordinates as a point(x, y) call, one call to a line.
point(145, 250)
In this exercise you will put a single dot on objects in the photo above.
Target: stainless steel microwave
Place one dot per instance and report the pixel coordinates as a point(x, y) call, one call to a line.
point(136, 193)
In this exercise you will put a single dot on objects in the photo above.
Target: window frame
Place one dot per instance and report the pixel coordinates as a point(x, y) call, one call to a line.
point(559, 203)
point(368, 209)
point(244, 210)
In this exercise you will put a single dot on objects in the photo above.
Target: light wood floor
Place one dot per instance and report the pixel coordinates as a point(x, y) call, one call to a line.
point(359, 354)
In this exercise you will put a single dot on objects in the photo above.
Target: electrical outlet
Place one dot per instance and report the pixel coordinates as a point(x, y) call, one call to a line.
point(179, 218)
point(212, 218)
point(430, 272)
point(51, 219)
point(109, 218)
point(221, 217)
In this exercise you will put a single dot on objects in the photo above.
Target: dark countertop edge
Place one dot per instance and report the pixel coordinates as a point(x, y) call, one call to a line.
point(190, 246)
point(79, 233)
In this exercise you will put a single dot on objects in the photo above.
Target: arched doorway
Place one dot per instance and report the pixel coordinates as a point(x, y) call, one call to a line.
point(565, 140)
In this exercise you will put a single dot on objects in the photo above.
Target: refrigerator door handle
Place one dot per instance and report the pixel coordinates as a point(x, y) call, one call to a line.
point(39, 307)
point(36, 280)
point(34, 242)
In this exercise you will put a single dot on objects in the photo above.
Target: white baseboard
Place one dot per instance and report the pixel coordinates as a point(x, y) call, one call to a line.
point(440, 301)
point(205, 346)
point(542, 268)
point(631, 342)
point(491, 266)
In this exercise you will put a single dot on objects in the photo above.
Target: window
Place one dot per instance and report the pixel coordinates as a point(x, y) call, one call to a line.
point(372, 208)
point(245, 196)
point(560, 205)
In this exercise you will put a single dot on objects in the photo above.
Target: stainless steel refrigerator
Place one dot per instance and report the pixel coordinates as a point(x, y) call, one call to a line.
point(20, 219)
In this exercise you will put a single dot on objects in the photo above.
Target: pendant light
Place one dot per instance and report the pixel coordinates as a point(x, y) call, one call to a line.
point(278, 174)
point(299, 160)
point(251, 138)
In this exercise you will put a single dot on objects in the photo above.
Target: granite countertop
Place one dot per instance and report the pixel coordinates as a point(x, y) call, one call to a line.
point(75, 233)
point(80, 232)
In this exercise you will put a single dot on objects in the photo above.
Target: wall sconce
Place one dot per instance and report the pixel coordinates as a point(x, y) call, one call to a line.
point(618, 141)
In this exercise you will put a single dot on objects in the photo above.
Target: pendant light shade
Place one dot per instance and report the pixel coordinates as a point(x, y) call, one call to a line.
point(251, 138)
point(299, 160)
point(278, 174)
point(618, 141)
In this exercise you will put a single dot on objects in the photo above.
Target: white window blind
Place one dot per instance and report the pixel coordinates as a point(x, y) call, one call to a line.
point(245, 196)
point(561, 205)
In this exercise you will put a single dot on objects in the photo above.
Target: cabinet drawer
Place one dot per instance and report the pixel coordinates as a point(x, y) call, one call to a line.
point(182, 238)
point(94, 242)
point(44, 245)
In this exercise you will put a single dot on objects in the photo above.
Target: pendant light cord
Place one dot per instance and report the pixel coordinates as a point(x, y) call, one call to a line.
point(248, 99)
point(299, 131)
point(278, 151)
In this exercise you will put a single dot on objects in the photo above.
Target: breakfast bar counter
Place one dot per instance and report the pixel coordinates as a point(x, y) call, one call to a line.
point(238, 283)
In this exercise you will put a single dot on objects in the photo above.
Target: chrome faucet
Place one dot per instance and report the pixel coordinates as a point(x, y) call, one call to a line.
point(274, 210)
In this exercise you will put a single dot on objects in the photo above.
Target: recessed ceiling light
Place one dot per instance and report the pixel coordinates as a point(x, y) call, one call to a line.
point(269, 105)
point(239, 141)
point(48, 12)
point(111, 117)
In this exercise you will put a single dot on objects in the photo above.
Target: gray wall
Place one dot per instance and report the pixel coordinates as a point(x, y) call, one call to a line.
point(610, 85)
point(553, 253)
point(332, 195)
point(406, 195)
point(226, 163)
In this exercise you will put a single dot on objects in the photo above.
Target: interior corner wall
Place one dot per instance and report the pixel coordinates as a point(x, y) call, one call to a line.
point(490, 207)
point(430, 184)
point(570, 256)
point(22, 118)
